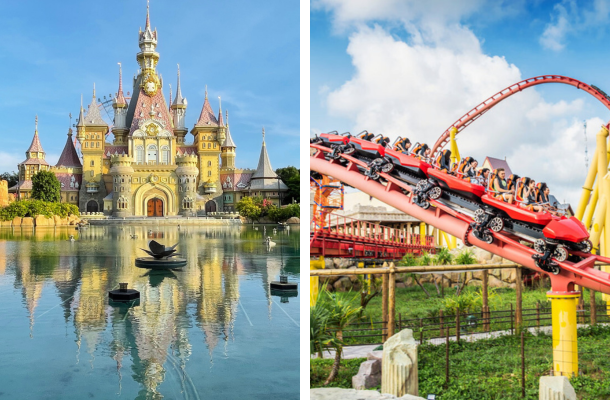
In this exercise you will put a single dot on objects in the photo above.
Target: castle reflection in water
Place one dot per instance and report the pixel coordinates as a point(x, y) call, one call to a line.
point(156, 333)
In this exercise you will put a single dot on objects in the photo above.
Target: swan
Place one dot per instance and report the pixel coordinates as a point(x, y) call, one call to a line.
point(269, 242)
point(72, 238)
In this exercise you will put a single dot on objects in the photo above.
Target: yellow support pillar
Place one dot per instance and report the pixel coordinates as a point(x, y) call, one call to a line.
point(565, 344)
point(598, 225)
point(590, 211)
point(455, 153)
point(452, 242)
point(314, 281)
point(422, 233)
point(587, 187)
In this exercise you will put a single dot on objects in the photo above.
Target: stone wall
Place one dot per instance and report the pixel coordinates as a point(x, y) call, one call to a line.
point(497, 277)
point(40, 221)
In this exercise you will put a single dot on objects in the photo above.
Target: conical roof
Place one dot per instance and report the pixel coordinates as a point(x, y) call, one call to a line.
point(207, 116)
point(35, 147)
point(69, 157)
point(228, 139)
point(264, 177)
point(93, 116)
point(179, 100)
point(120, 98)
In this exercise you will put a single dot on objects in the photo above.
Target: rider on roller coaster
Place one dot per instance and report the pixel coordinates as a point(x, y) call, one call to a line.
point(403, 146)
point(367, 136)
point(383, 141)
point(470, 169)
point(528, 194)
point(500, 186)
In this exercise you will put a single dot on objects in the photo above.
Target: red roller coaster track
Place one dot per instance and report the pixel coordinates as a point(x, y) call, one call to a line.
point(485, 106)
point(457, 224)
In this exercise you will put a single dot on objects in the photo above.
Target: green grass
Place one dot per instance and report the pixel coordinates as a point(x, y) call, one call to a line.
point(491, 369)
point(412, 303)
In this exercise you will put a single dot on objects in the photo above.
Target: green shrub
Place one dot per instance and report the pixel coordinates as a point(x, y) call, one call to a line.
point(32, 208)
point(466, 257)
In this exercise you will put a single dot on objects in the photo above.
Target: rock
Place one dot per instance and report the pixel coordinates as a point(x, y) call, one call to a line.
point(6, 224)
point(369, 375)
point(343, 263)
point(399, 365)
point(481, 255)
point(495, 260)
point(494, 282)
point(64, 221)
point(41, 220)
point(343, 283)
point(352, 394)
point(17, 221)
point(556, 388)
point(56, 220)
point(293, 220)
point(27, 221)
point(375, 355)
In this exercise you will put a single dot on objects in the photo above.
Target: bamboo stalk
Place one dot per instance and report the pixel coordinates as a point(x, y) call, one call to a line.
point(398, 270)
point(384, 306)
point(391, 301)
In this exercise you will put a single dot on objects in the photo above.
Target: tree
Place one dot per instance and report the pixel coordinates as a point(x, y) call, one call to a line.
point(46, 187)
point(248, 208)
point(292, 178)
point(11, 177)
point(341, 312)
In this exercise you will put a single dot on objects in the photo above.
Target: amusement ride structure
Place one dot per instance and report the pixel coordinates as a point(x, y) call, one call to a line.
point(570, 249)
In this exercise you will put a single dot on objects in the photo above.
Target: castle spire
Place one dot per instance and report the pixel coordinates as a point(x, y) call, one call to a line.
point(69, 157)
point(93, 116)
point(120, 98)
point(179, 99)
point(35, 146)
point(228, 140)
point(220, 120)
point(147, 15)
point(207, 117)
point(81, 116)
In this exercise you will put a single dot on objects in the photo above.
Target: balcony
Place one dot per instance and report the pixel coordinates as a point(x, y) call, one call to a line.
point(92, 187)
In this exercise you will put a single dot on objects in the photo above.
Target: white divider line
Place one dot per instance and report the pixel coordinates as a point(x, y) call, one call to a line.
point(282, 308)
point(245, 313)
point(70, 298)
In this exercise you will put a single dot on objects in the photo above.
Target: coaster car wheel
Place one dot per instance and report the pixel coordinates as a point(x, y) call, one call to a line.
point(349, 150)
point(387, 167)
point(539, 246)
point(487, 238)
point(373, 175)
point(435, 193)
point(425, 204)
point(586, 246)
point(496, 224)
point(479, 216)
point(560, 254)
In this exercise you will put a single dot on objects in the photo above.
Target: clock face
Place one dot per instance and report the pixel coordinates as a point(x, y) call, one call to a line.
point(150, 84)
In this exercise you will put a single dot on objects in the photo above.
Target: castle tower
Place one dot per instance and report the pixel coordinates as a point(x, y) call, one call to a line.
point(122, 173)
point(187, 184)
point(119, 104)
point(178, 110)
point(69, 172)
point(209, 135)
point(265, 182)
point(91, 132)
point(147, 57)
point(34, 158)
point(228, 150)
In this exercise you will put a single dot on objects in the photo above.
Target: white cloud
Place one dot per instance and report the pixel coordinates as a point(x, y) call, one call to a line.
point(9, 161)
point(418, 88)
point(569, 18)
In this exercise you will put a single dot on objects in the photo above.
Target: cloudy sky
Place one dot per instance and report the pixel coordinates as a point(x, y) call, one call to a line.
point(52, 52)
point(407, 67)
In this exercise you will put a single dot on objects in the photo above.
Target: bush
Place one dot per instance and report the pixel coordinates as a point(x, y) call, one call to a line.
point(32, 208)
point(248, 208)
point(277, 214)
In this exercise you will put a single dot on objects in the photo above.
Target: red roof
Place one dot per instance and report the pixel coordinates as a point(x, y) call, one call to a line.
point(182, 150)
point(69, 157)
point(498, 163)
point(36, 147)
point(69, 182)
point(34, 161)
point(207, 118)
point(143, 109)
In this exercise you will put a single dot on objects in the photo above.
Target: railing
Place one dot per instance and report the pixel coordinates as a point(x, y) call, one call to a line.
point(353, 229)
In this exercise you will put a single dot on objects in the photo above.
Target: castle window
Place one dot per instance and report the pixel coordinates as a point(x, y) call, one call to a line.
point(209, 163)
point(123, 180)
point(92, 163)
point(214, 145)
point(87, 136)
point(98, 144)
point(187, 203)
point(165, 154)
point(151, 155)
point(209, 173)
point(139, 155)
point(209, 145)
point(86, 144)
point(122, 203)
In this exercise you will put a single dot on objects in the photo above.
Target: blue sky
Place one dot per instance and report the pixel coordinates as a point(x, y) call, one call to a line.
point(412, 68)
point(246, 52)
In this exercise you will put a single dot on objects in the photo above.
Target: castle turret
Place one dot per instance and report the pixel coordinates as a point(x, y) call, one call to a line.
point(147, 57)
point(227, 155)
point(122, 173)
point(187, 172)
point(119, 104)
point(178, 110)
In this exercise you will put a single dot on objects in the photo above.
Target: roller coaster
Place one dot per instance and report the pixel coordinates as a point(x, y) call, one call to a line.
point(425, 184)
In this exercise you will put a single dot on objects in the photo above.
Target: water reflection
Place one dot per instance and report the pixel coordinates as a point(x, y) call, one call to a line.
point(152, 339)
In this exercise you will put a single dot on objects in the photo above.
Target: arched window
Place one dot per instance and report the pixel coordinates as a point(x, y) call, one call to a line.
point(122, 203)
point(139, 155)
point(209, 173)
point(187, 203)
point(86, 144)
point(92, 163)
point(151, 155)
point(165, 154)
point(98, 144)
point(209, 163)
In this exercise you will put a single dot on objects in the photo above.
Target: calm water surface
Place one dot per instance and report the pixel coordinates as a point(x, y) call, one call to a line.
point(210, 330)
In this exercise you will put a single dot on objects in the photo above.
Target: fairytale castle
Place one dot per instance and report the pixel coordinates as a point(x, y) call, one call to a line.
point(151, 168)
